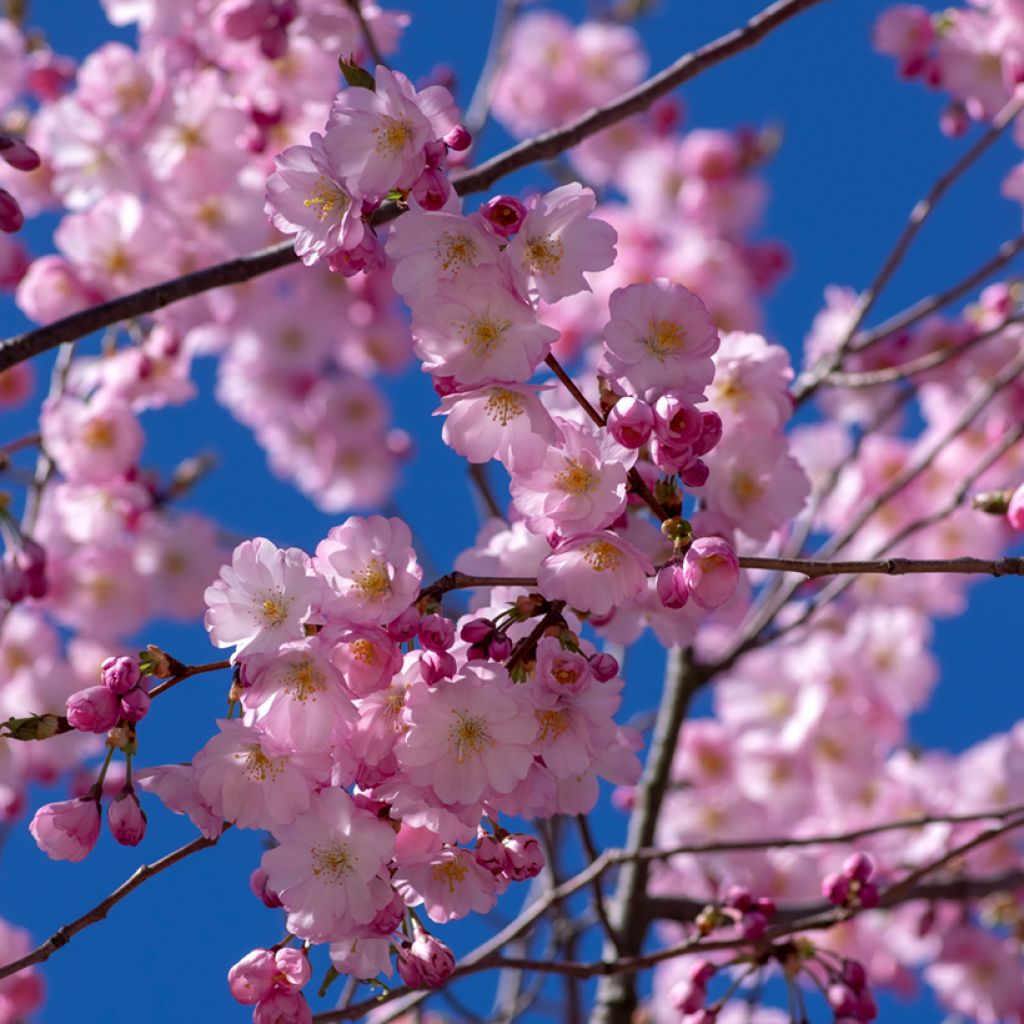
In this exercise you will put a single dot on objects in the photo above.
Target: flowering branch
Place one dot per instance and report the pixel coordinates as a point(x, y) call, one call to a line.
point(62, 936)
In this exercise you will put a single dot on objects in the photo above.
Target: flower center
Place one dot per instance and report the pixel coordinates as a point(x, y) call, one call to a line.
point(373, 580)
point(272, 608)
point(332, 863)
point(564, 676)
point(504, 406)
point(364, 651)
point(304, 681)
point(575, 478)
point(393, 136)
point(455, 251)
point(393, 707)
point(602, 555)
point(98, 434)
point(664, 337)
point(450, 873)
point(469, 735)
point(552, 724)
point(544, 254)
point(259, 768)
point(483, 334)
point(746, 488)
point(327, 199)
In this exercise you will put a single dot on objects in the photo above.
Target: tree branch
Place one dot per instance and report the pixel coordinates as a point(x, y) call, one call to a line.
point(62, 936)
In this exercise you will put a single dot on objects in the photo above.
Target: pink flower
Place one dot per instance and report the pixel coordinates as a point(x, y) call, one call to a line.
point(448, 882)
point(306, 200)
point(594, 572)
point(376, 139)
point(558, 241)
point(478, 330)
point(53, 288)
point(1015, 511)
point(282, 1007)
point(467, 738)
point(262, 599)
point(252, 978)
point(660, 338)
point(95, 709)
point(711, 570)
point(247, 778)
point(370, 568)
point(91, 442)
point(426, 961)
point(507, 422)
point(126, 818)
point(579, 487)
point(367, 658)
point(327, 867)
point(67, 830)
point(174, 784)
point(631, 422)
point(429, 246)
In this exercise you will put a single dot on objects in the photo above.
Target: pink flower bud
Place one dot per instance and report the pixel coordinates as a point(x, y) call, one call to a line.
point(676, 422)
point(135, 704)
point(702, 971)
point(711, 434)
point(490, 853)
point(504, 214)
point(436, 632)
point(1015, 511)
point(119, 674)
point(427, 960)
point(671, 586)
point(866, 1009)
point(499, 648)
point(739, 897)
point(858, 867)
point(836, 889)
point(389, 917)
point(30, 557)
point(854, 975)
point(258, 884)
point(17, 153)
point(404, 627)
point(459, 138)
point(67, 830)
point(842, 1000)
point(274, 42)
point(868, 895)
point(694, 474)
point(604, 667)
point(126, 818)
point(764, 905)
point(243, 19)
point(688, 996)
point(753, 925)
point(432, 189)
point(252, 978)
point(631, 422)
point(282, 1007)
point(525, 857)
point(436, 666)
point(712, 571)
point(477, 631)
point(11, 217)
point(95, 709)
point(291, 969)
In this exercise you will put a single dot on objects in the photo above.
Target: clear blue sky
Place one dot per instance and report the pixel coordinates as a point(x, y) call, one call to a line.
point(860, 147)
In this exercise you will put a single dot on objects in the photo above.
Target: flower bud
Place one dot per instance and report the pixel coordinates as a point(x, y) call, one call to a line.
point(694, 474)
point(252, 978)
point(426, 961)
point(739, 897)
point(119, 674)
point(403, 628)
point(436, 632)
point(525, 859)
point(95, 709)
point(671, 586)
point(436, 666)
point(854, 975)
point(702, 971)
point(389, 917)
point(282, 1007)
point(711, 570)
point(688, 996)
point(258, 884)
point(858, 867)
point(499, 648)
point(291, 969)
point(710, 435)
point(490, 853)
point(135, 704)
point(1015, 511)
point(604, 667)
point(18, 153)
point(677, 422)
point(30, 558)
point(477, 631)
point(504, 215)
point(432, 189)
point(753, 925)
point(67, 830)
point(11, 217)
point(126, 818)
point(459, 138)
point(631, 422)
point(836, 889)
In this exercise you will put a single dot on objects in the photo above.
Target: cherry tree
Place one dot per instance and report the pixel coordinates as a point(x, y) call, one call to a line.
point(257, 184)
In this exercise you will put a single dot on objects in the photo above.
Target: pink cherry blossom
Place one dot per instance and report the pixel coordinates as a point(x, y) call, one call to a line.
point(67, 830)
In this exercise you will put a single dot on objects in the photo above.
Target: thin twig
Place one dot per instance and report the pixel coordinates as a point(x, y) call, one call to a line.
point(595, 886)
point(187, 673)
point(479, 108)
point(356, 7)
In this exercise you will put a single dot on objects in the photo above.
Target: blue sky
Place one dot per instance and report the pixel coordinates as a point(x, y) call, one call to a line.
point(859, 148)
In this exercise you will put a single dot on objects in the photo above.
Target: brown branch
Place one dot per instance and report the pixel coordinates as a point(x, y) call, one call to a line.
point(813, 569)
point(62, 936)
point(810, 381)
point(464, 581)
point(187, 673)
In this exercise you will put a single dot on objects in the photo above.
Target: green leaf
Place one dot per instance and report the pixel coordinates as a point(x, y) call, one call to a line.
point(357, 77)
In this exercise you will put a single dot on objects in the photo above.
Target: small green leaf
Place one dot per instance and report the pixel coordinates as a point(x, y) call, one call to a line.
point(357, 77)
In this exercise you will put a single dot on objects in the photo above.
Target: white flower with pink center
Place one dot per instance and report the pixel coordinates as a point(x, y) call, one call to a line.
point(370, 568)
point(507, 422)
point(660, 338)
point(477, 330)
point(247, 778)
point(375, 139)
point(594, 572)
point(296, 695)
point(448, 882)
point(579, 487)
point(558, 242)
point(427, 246)
point(468, 738)
point(305, 199)
point(262, 599)
point(327, 868)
